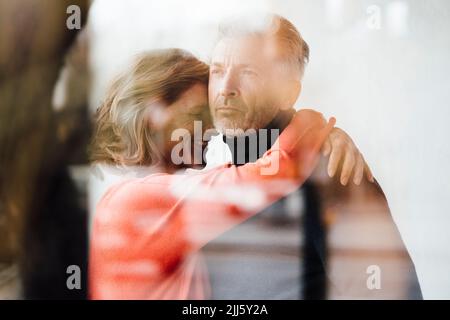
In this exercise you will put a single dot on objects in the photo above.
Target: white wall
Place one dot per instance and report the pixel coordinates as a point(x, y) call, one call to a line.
point(389, 87)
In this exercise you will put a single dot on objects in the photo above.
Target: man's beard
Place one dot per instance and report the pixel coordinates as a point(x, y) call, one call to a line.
point(238, 124)
point(241, 147)
point(233, 120)
point(231, 126)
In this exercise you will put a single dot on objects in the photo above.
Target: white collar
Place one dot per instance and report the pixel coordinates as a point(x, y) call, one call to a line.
point(218, 153)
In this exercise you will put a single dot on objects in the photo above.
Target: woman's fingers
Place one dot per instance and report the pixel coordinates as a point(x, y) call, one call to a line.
point(326, 149)
point(359, 170)
point(369, 174)
point(335, 157)
point(347, 168)
point(341, 148)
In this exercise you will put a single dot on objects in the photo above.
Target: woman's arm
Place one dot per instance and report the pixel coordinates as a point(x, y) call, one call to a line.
point(164, 224)
point(214, 201)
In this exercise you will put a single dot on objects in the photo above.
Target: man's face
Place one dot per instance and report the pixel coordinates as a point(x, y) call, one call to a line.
point(247, 84)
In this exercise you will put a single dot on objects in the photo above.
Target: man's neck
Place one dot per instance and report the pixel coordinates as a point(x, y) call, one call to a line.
point(250, 147)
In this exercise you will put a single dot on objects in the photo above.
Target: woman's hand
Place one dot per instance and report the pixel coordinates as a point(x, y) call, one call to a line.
point(341, 148)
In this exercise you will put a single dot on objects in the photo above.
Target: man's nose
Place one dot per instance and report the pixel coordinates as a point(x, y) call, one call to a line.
point(229, 86)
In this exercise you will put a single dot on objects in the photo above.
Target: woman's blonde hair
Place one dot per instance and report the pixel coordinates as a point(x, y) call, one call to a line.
point(122, 130)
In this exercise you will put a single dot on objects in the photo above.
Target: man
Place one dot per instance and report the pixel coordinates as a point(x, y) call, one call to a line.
point(255, 79)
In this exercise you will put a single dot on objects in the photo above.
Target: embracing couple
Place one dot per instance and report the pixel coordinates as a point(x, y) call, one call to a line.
point(150, 225)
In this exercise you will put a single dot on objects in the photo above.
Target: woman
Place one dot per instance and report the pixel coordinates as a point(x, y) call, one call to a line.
point(147, 231)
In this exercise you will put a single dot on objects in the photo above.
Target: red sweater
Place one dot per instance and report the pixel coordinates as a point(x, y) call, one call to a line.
point(147, 232)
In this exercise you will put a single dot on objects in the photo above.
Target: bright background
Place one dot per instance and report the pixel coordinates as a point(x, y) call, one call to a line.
point(381, 67)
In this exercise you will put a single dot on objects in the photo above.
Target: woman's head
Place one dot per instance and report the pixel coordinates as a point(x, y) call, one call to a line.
point(163, 90)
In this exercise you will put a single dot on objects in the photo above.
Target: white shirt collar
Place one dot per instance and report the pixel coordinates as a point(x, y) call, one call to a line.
point(217, 153)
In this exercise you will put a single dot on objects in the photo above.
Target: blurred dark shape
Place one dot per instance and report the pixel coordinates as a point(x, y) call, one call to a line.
point(43, 225)
point(314, 249)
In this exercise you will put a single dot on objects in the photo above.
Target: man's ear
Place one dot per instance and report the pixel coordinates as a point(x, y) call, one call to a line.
point(292, 92)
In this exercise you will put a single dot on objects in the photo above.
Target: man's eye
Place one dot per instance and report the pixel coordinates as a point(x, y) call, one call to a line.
point(248, 72)
point(216, 71)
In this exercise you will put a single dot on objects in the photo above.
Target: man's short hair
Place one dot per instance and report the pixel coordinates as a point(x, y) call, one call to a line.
point(294, 48)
